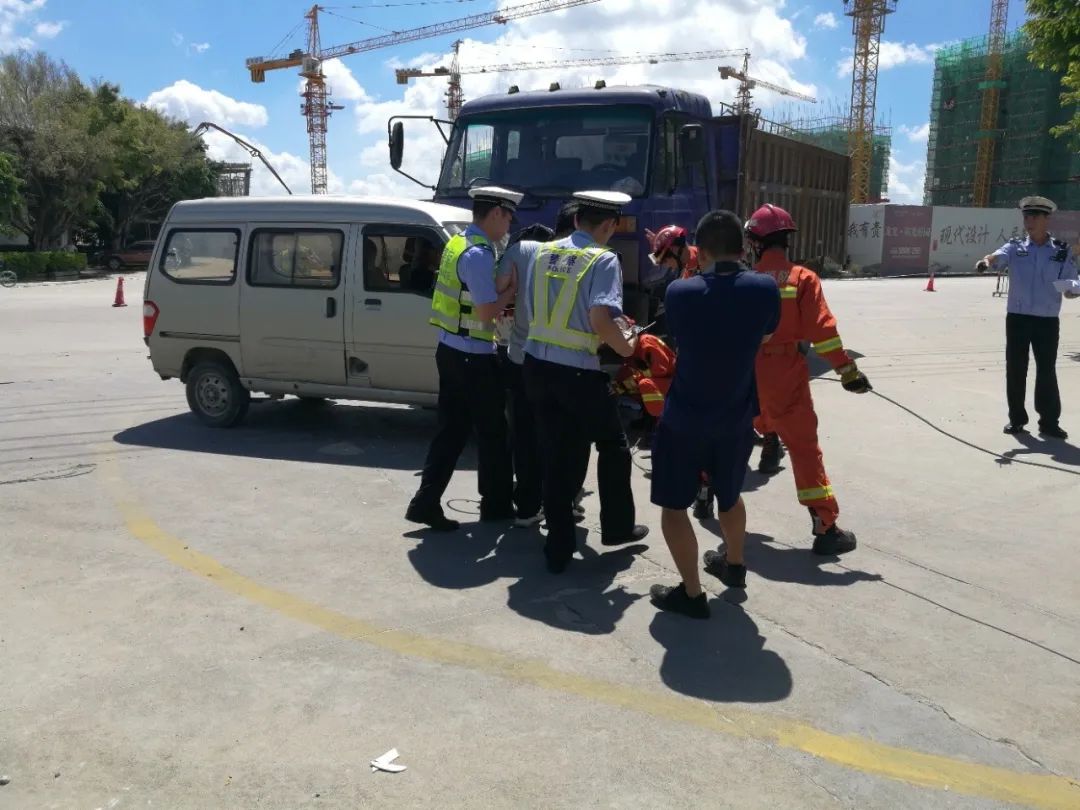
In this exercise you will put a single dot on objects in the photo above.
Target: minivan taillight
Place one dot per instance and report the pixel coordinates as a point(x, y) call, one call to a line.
point(150, 314)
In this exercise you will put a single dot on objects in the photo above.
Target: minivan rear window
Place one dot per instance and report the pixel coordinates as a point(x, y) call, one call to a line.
point(200, 256)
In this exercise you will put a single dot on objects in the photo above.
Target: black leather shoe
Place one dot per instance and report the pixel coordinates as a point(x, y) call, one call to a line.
point(734, 576)
point(497, 515)
point(1053, 431)
point(834, 541)
point(676, 600)
point(1012, 429)
point(637, 534)
point(433, 518)
point(557, 565)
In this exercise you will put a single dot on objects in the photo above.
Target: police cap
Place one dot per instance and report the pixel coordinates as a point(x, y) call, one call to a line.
point(502, 197)
point(608, 201)
point(1037, 205)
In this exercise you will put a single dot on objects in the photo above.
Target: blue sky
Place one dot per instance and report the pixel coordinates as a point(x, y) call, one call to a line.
point(188, 60)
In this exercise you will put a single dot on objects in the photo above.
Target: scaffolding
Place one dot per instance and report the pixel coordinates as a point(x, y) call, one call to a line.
point(1026, 158)
point(232, 179)
point(834, 133)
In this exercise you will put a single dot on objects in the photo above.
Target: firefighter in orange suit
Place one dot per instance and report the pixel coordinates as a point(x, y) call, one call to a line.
point(783, 380)
point(648, 371)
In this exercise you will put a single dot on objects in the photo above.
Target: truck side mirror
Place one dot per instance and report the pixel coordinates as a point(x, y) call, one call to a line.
point(397, 144)
point(692, 144)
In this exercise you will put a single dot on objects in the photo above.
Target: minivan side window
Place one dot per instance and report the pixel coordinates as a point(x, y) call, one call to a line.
point(295, 258)
point(401, 258)
point(200, 256)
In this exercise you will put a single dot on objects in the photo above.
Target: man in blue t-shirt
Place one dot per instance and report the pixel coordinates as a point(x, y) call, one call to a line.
point(719, 320)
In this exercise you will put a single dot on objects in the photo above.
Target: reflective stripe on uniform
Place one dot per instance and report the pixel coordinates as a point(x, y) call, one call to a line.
point(652, 397)
point(451, 303)
point(553, 325)
point(830, 345)
point(815, 494)
point(787, 291)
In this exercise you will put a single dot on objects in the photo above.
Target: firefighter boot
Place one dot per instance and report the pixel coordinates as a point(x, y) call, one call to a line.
point(771, 453)
point(831, 541)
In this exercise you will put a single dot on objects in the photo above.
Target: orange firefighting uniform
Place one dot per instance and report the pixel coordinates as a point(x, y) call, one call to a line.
point(783, 380)
point(649, 371)
point(693, 265)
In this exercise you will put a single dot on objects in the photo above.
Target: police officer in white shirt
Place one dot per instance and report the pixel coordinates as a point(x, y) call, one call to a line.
point(574, 297)
point(1034, 264)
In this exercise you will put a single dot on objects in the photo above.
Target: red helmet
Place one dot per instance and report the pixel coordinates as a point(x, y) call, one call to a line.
point(665, 239)
point(769, 219)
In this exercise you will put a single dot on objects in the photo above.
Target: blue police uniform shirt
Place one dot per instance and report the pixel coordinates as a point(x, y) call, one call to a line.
point(518, 256)
point(718, 320)
point(476, 270)
point(602, 286)
point(1033, 269)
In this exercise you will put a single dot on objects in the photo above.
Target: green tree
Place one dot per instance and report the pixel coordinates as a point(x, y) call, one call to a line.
point(1054, 29)
point(10, 198)
point(57, 129)
point(157, 162)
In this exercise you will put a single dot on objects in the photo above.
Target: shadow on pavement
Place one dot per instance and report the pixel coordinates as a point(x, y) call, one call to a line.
point(291, 430)
point(799, 566)
point(1055, 449)
point(722, 660)
point(582, 600)
point(821, 368)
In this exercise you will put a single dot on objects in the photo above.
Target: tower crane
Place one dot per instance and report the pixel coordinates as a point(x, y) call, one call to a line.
point(748, 83)
point(988, 118)
point(316, 106)
point(867, 23)
point(455, 97)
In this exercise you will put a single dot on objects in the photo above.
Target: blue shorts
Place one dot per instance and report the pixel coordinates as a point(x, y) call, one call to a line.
point(679, 458)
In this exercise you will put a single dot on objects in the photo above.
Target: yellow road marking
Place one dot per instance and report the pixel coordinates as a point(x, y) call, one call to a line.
point(928, 770)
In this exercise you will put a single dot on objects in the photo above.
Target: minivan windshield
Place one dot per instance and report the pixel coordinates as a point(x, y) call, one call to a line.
point(551, 151)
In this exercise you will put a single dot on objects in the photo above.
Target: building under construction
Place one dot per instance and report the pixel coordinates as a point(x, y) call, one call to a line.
point(834, 134)
point(1026, 158)
point(232, 179)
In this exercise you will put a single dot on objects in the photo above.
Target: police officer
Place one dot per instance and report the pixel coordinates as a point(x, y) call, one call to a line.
point(574, 297)
point(1034, 264)
point(463, 307)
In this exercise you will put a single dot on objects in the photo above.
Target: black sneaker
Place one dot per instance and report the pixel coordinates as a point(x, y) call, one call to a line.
point(1053, 431)
point(1012, 429)
point(834, 541)
point(734, 576)
point(431, 517)
point(771, 453)
point(675, 600)
point(637, 534)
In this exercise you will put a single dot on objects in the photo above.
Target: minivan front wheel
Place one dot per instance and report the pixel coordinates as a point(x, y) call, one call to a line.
point(215, 395)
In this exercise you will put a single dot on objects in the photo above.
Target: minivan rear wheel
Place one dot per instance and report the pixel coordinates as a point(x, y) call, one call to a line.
point(215, 395)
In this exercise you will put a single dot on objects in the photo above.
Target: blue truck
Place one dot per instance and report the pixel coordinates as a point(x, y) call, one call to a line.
point(662, 146)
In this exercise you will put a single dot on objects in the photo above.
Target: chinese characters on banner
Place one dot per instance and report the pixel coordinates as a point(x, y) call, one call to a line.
point(906, 248)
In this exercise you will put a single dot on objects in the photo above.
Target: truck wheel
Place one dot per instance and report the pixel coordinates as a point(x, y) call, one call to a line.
point(215, 395)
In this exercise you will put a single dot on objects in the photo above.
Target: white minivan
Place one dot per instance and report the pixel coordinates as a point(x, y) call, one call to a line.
point(310, 296)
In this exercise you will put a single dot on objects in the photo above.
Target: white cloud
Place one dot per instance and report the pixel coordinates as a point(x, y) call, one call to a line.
point(915, 134)
point(294, 170)
point(826, 20)
point(906, 181)
point(755, 24)
point(177, 39)
point(895, 54)
point(191, 103)
point(199, 47)
point(48, 30)
point(17, 21)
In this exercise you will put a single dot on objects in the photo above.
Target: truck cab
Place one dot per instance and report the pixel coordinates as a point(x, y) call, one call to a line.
point(661, 145)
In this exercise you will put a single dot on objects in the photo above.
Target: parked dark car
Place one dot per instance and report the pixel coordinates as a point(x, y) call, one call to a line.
point(137, 254)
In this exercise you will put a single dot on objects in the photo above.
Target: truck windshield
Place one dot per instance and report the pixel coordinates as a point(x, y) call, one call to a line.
point(551, 151)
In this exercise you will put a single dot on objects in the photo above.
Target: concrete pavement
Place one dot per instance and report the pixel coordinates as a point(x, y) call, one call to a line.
point(243, 618)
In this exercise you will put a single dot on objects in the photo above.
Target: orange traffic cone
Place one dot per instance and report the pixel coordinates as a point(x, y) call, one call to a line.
point(119, 300)
point(930, 283)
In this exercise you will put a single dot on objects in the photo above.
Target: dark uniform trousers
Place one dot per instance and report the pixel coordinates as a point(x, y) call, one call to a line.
point(470, 397)
point(523, 439)
point(574, 408)
point(1039, 335)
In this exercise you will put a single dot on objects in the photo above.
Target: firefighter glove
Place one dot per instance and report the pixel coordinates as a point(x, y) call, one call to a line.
point(854, 380)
